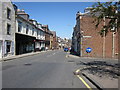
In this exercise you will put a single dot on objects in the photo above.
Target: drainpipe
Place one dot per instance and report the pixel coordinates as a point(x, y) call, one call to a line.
point(104, 39)
point(114, 37)
point(113, 42)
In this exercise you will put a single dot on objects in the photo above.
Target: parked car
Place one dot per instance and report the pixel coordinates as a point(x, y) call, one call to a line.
point(66, 49)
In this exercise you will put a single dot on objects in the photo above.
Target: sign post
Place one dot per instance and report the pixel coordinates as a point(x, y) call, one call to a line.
point(88, 50)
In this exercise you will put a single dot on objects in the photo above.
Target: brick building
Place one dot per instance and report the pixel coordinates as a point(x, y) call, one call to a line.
point(89, 36)
point(55, 44)
point(48, 36)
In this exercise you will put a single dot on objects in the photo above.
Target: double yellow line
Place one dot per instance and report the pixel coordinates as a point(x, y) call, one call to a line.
point(77, 71)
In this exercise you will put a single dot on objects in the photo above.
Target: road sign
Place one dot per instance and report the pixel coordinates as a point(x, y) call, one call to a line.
point(87, 36)
point(88, 50)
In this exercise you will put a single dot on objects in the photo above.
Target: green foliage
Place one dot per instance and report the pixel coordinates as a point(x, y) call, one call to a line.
point(109, 10)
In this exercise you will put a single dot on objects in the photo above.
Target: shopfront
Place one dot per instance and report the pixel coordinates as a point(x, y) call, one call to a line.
point(24, 44)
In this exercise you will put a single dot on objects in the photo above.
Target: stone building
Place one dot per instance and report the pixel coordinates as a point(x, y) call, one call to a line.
point(89, 36)
point(7, 29)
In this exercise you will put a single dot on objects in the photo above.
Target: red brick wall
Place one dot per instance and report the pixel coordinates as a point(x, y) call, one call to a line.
point(96, 41)
point(108, 45)
point(119, 43)
point(116, 42)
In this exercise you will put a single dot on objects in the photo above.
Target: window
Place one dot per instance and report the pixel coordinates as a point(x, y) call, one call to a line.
point(32, 31)
point(8, 13)
point(8, 46)
point(27, 29)
point(8, 29)
point(37, 32)
point(19, 26)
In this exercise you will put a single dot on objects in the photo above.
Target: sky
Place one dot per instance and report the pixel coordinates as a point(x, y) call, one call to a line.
point(59, 16)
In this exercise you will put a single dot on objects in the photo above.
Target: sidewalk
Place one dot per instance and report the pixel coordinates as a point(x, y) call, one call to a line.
point(22, 55)
point(103, 73)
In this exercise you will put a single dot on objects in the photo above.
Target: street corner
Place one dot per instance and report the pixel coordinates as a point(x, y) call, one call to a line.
point(80, 76)
point(101, 75)
point(73, 56)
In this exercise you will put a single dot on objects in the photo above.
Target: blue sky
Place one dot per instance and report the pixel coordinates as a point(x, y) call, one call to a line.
point(60, 16)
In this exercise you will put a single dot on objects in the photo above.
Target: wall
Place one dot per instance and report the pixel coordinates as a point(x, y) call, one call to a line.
point(95, 41)
point(3, 27)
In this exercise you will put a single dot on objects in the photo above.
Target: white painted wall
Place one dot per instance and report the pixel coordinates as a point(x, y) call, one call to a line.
point(39, 34)
point(24, 26)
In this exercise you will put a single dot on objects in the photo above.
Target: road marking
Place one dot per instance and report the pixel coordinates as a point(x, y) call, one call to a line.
point(77, 70)
point(67, 56)
point(83, 80)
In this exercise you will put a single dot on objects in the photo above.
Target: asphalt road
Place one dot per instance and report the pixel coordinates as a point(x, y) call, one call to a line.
point(52, 69)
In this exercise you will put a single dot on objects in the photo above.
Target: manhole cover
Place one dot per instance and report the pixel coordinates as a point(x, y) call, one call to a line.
point(27, 64)
point(71, 61)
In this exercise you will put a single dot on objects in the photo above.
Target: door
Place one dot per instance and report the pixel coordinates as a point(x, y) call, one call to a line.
point(0, 49)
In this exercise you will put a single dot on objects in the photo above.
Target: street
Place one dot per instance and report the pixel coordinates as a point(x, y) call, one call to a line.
point(51, 69)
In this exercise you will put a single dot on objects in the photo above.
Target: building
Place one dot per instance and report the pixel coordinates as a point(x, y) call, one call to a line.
point(29, 36)
point(48, 36)
point(75, 43)
point(60, 43)
point(19, 34)
point(7, 29)
point(76, 40)
point(55, 44)
point(87, 35)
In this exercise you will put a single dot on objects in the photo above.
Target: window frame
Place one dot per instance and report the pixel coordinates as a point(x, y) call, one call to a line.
point(33, 31)
point(19, 26)
point(8, 43)
point(27, 29)
point(8, 29)
point(8, 13)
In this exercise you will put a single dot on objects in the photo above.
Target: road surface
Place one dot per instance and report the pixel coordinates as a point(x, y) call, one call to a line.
point(52, 69)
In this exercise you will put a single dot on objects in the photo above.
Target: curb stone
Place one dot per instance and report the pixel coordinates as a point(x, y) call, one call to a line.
point(93, 81)
point(20, 56)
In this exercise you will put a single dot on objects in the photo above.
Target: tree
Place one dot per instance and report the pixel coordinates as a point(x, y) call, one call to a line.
point(109, 10)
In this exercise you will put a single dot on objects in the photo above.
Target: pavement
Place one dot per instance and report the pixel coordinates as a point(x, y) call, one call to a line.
point(103, 73)
point(22, 55)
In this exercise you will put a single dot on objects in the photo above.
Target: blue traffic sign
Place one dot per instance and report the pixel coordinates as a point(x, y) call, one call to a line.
point(88, 50)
